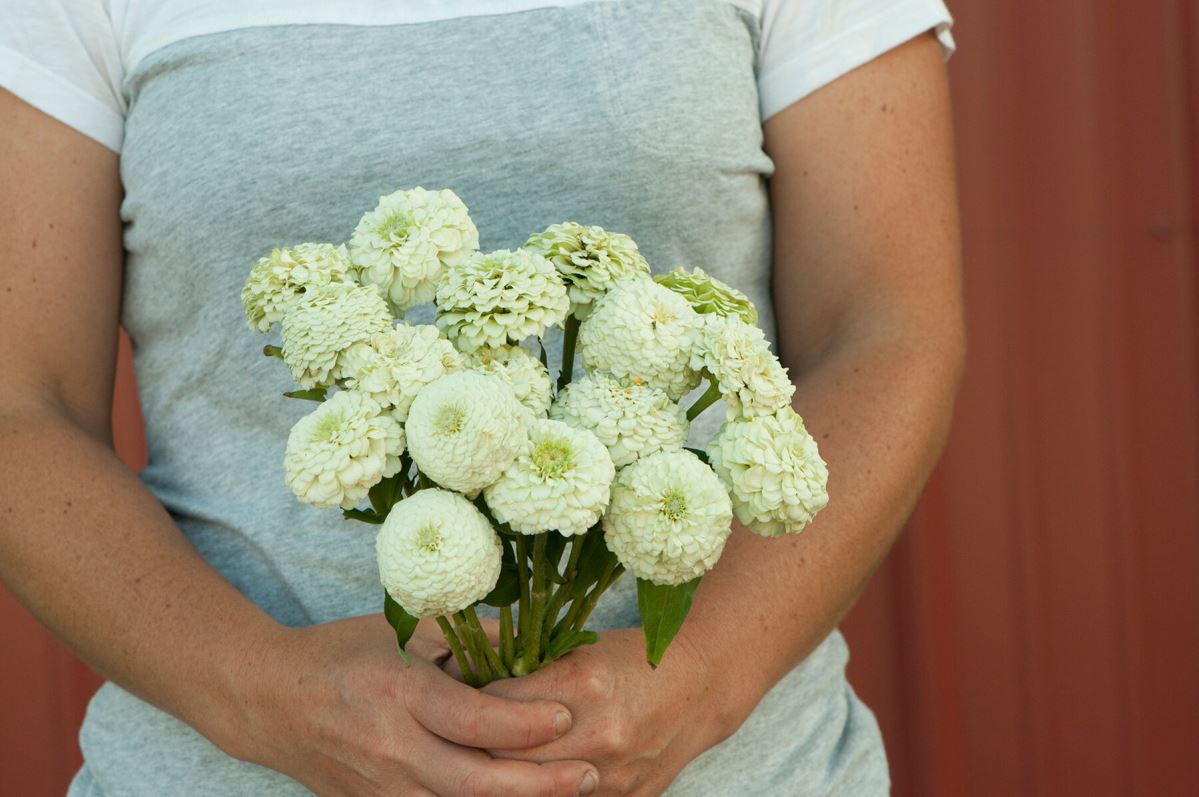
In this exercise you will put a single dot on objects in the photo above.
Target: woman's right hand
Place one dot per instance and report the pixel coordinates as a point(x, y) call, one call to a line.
point(334, 707)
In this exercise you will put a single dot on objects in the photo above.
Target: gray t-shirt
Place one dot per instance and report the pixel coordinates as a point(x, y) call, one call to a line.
point(639, 116)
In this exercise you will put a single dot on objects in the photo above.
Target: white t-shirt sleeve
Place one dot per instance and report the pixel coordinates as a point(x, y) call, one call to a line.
point(807, 44)
point(61, 57)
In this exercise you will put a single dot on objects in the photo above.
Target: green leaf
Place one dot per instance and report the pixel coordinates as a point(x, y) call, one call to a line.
point(703, 457)
point(315, 394)
point(403, 623)
point(568, 642)
point(663, 610)
point(365, 515)
point(507, 588)
point(593, 560)
point(384, 495)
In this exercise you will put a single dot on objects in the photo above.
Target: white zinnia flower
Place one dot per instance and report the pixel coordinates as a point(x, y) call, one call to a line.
point(523, 372)
point(465, 429)
point(336, 453)
point(709, 295)
point(324, 322)
point(499, 298)
point(642, 330)
point(277, 279)
point(394, 365)
point(738, 357)
point(631, 419)
point(437, 554)
point(669, 518)
point(559, 482)
point(773, 469)
point(405, 243)
point(590, 259)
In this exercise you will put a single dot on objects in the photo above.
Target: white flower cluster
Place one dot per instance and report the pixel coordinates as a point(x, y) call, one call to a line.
point(632, 419)
point(737, 357)
point(590, 259)
point(337, 453)
point(405, 243)
point(641, 330)
point(393, 366)
point(465, 429)
point(277, 279)
point(325, 321)
point(773, 470)
point(499, 298)
point(559, 481)
point(669, 517)
point(437, 554)
point(521, 371)
point(468, 423)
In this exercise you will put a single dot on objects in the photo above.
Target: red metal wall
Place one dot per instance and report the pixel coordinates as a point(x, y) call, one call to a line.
point(1036, 631)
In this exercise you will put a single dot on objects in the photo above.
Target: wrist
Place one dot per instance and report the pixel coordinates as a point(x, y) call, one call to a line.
point(246, 685)
point(726, 679)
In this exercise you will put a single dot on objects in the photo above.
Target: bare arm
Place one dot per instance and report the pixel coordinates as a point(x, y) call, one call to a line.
point(97, 559)
point(867, 293)
point(868, 302)
point(82, 542)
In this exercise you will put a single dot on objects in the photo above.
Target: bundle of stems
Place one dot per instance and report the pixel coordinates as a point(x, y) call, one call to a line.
point(554, 598)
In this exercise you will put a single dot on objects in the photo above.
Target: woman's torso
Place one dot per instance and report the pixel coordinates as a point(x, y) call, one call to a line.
point(639, 116)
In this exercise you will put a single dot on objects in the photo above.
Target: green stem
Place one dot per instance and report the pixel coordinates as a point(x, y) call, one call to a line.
point(531, 653)
point(474, 649)
point(562, 592)
point(579, 605)
point(493, 658)
point(611, 573)
point(455, 643)
point(710, 397)
point(570, 336)
point(522, 569)
point(507, 642)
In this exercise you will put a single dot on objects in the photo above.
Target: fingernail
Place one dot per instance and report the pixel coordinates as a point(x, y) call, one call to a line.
point(562, 722)
point(589, 782)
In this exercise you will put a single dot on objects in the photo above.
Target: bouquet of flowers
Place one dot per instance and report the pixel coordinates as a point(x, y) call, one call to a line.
point(493, 481)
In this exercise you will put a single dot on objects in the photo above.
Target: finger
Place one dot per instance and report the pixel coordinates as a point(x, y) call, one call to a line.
point(461, 771)
point(416, 790)
point(451, 668)
point(466, 716)
point(565, 681)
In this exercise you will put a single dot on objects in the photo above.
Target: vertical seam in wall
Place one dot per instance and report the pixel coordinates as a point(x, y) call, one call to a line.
point(1190, 68)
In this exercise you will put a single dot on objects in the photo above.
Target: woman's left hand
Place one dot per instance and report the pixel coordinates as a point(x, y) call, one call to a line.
point(638, 725)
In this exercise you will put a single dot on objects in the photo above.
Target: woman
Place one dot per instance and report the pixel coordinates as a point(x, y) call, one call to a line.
point(799, 149)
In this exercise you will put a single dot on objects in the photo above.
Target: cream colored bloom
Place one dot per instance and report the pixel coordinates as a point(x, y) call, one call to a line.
point(277, 279)
point(465, 429)
point(707, 294)
point(738, 357)
point(437, 554)
point(559, 482)
point(522, 372)
point(643, 331)
point(499, 298)
point(631, 419)
point(669, 518)
point(323, 322)
point(336, 453)
point(405, 243)
point(394, 365)
point(590, 259)
point(773, 470)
